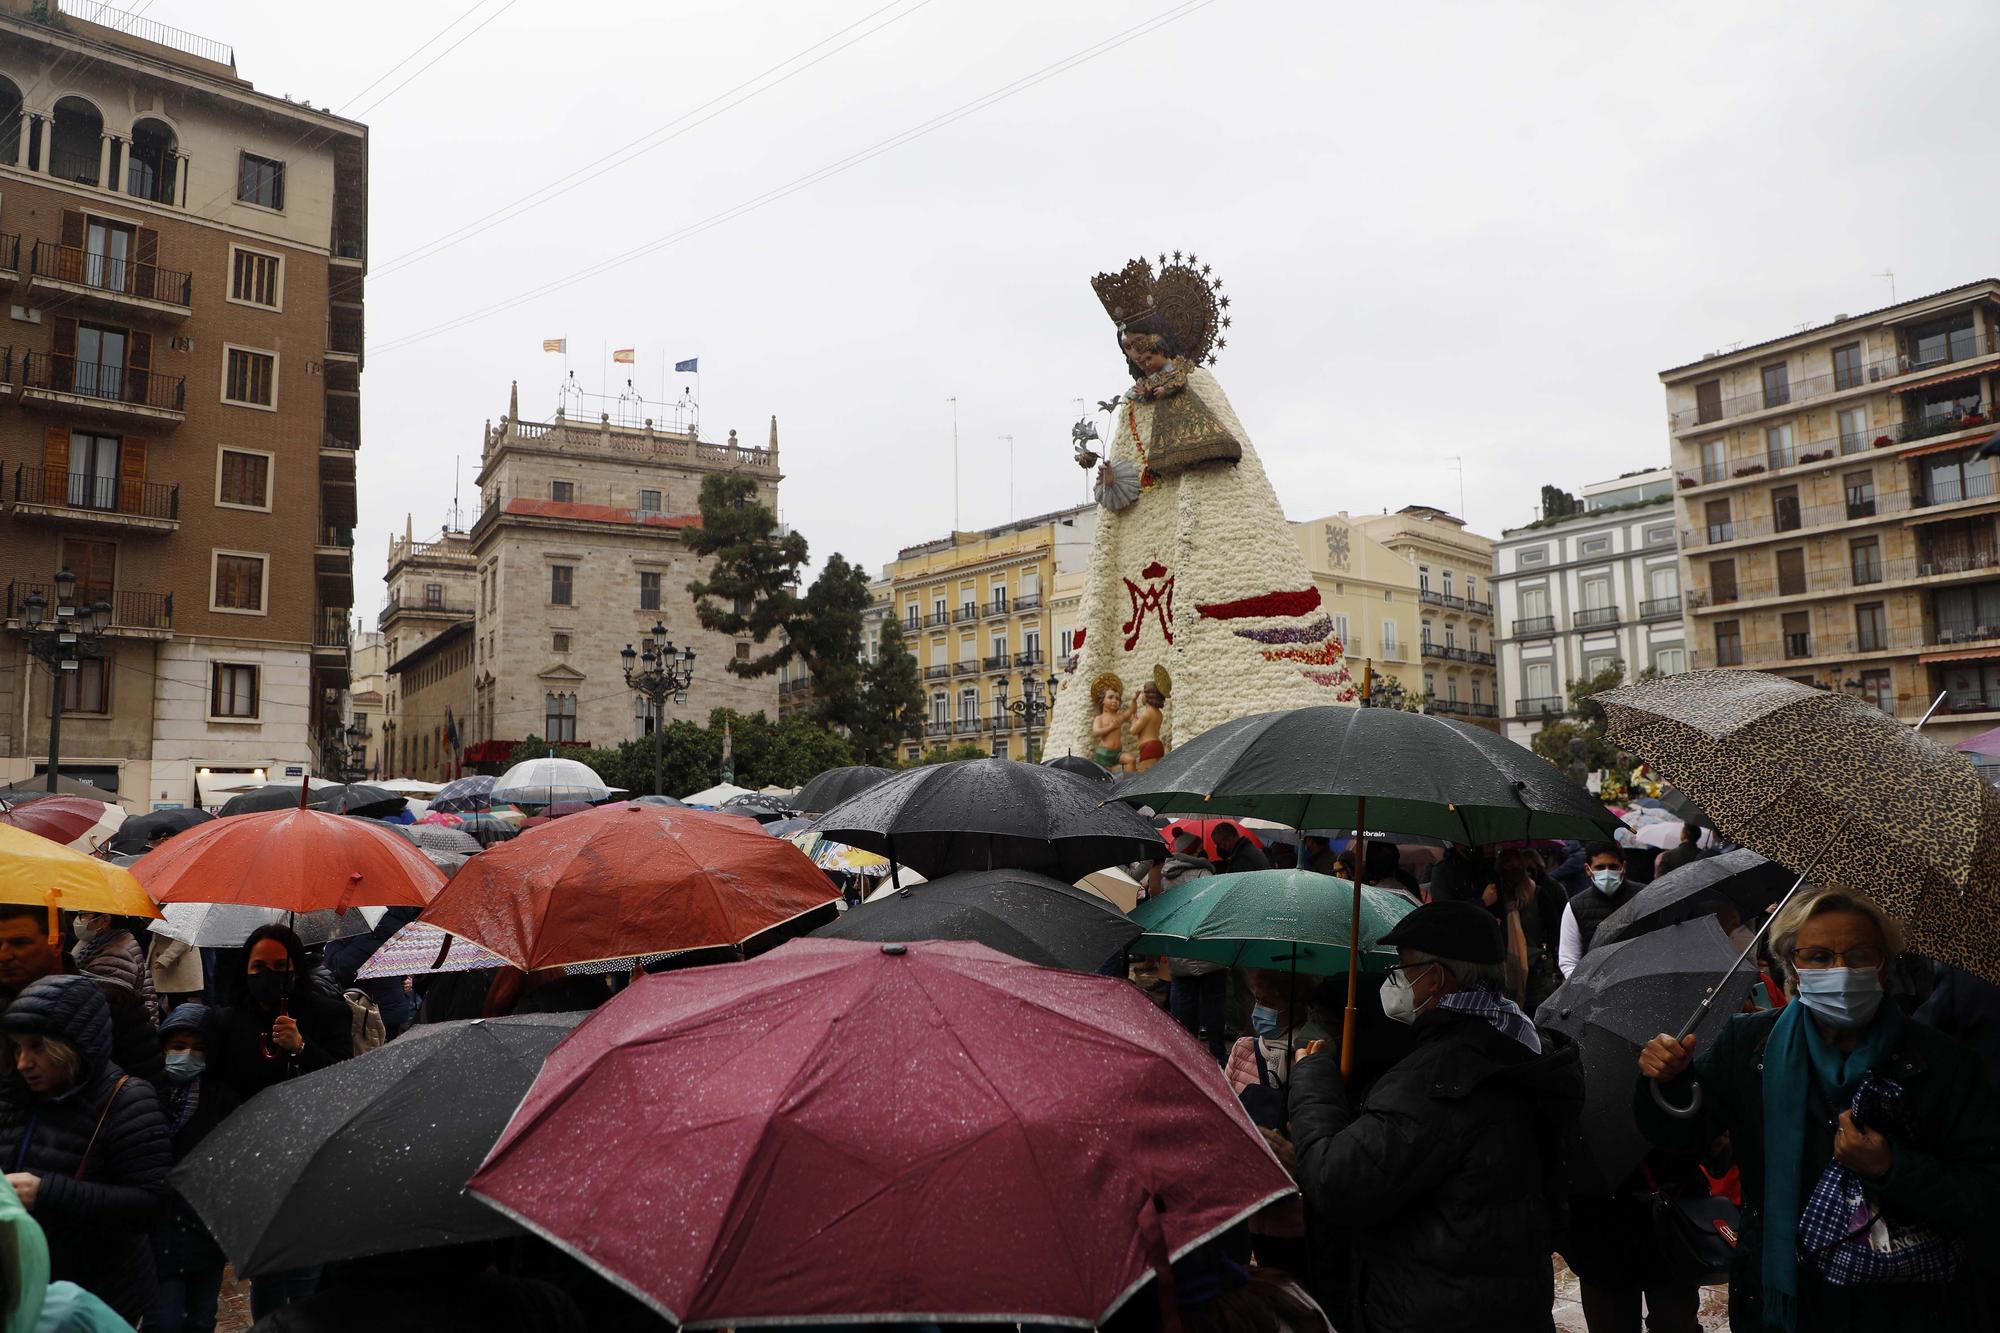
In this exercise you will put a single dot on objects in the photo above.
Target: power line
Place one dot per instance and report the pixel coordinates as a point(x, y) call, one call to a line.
point(620, 156)
point(367, 87)
point(439, 56)
point(826, 172)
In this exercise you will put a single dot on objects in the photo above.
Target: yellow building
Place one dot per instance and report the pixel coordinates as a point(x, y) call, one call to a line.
point(1371, 593)
point(975, 612)
point(1455, 600)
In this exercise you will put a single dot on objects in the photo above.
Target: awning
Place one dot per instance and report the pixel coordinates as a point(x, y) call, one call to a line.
point(1960, 372)
point(1948, 446)
point(1986, 654)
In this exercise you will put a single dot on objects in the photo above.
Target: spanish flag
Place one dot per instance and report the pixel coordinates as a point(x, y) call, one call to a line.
point(623, 356)
point(555, 345)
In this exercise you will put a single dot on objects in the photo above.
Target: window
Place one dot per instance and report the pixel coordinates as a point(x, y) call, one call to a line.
point(1663, 583)
point(1785, 509)
point(649, 502)
point(1451, 687)
point(93, 473)
point(1429, 640)
point(1798, 634)
point(434, 596)
point(1594, 546)
point(1722, 581)
point(1596, 664)
point(1714, 460)
point(1423, 578)
point(238, 583)
point(1540, 679)
point(1451, 634)
point(1066, 642)
point(1446, 583)
point(1777, 385)
point(1471, 588)
point(560, 643)
point(968, 707)
point(253, 277)
point(1966, 613)
point(87, 689)
point(1000, 747)
point(1853, 430)
point(1339, 632)
point(1392, 648)
point(1533, 555)
point(1792, 571)
point(559, 718)
point(76, 136)
point(1861, 495)
point(260, 181)
point(1865, 559)
point(1596, 593)
point(1877, 689)
point(250, 378)
point(243, 479)
point(1778, 451)
point(1478, 695)
point(1847, 366)
point(107, 255)
point(1670, 661)
point(1708, 401)
point(1943, 340)
point(1871, 628)
point(564, 491)
point(1720, 528)
point(561, 584)
point(1000, 649)
point(1729, 643)
point(940, 709)
point(232, 690)
point(1031, 644)
point(100, 361)
point(742, 651)
point(649, 590)
point(1535, 603)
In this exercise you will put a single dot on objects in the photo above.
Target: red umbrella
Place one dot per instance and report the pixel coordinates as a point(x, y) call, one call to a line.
point(627, 880)
point(1206, 829)
point(294, 860)
point(77, 822)
point(842, 1130)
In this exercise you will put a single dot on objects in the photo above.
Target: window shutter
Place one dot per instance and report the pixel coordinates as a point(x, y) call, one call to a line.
point(255, 681)
point(215, 689)
point(138, 366)
point(145, 273)
point(132, 474)
point(62, 367)
point(69, 259)
point(55, 464)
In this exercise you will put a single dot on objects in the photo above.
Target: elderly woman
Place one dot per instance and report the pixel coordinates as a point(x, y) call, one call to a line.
point(1782, 1082)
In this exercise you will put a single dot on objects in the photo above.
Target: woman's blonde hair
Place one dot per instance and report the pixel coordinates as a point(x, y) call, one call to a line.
point(1818, 902)
point(66, 1057)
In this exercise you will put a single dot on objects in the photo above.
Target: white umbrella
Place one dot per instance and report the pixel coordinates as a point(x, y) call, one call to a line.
point(409, 786)
point(227, 925)
point(546, 781)
point(1114, 886)
point(1662, 834)
point(907, 876)
point(716, 795)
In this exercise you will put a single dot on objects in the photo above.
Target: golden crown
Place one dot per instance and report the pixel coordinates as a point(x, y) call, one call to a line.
point(1182, 304)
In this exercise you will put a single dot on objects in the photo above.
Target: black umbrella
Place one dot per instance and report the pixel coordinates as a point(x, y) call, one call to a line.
point(136, 834)
point(839, 784)
point(1620, 997)
point(1036, 919)
point(764, 809)
point(1083, 768)
point(338, 799)
point(1740, 879)
point(668, 801)
point(28, 789)
point(369, 1156)
point(991, 814)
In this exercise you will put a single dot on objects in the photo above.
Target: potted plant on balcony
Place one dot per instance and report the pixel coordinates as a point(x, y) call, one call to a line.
point(1749, 470)
point(1973, 419)
point(1685, 482)
point(1883, 441)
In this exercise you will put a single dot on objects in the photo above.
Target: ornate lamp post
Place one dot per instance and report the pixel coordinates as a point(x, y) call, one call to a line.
point(1032, 708)
point(666, 674)
point(60, 637)
point(346, 756)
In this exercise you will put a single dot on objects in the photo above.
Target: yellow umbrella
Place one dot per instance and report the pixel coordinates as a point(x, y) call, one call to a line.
point(41, 873)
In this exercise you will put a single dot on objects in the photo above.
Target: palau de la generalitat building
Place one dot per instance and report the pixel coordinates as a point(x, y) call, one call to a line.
point(181, 265)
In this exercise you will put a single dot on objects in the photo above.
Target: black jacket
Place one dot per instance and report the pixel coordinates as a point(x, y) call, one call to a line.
point(135, 1041)
point(101, 1151)
point(251, 1063)
point(1452, 1163)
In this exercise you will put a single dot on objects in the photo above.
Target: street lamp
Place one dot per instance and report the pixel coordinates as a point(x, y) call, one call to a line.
point(666, 674)
point(346, 754)
point(60, 637)
point(1031, 708)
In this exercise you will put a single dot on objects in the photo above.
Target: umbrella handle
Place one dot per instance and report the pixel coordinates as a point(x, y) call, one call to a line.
point(1688, 1112)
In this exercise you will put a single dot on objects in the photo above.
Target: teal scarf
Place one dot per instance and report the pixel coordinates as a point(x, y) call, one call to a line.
point(1796, 1048)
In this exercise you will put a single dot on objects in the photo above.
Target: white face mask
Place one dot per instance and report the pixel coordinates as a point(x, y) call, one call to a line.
point(1399, 1001)
point(86, 928)
point(1607, 880)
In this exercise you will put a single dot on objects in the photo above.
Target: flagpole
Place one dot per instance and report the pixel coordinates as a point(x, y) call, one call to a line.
point(603, 375)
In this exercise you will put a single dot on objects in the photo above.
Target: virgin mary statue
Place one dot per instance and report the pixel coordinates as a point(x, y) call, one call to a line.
point(1195, 585)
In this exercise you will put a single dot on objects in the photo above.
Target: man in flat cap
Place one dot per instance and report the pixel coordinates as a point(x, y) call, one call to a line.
point(1447, 1179)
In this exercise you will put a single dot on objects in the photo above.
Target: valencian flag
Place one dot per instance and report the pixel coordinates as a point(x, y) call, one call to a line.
point(623, 356)
point(555, 345)
point(691, 366)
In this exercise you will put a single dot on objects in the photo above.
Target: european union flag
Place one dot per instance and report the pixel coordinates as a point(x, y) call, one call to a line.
point(691, 366)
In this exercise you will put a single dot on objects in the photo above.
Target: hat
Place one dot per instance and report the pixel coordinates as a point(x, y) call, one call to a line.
point(1461, 932)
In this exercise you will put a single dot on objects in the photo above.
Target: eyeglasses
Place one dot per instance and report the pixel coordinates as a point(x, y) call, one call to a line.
point(1863, 958)
point(1400, 974)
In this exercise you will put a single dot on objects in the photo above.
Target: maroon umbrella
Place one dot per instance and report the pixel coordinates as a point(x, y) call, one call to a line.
point(842, 1130)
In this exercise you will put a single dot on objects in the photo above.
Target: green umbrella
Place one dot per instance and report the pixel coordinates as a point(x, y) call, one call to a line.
point(1280, 919)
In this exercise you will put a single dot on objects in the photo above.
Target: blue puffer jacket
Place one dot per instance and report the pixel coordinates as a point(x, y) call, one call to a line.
point(100, 1149)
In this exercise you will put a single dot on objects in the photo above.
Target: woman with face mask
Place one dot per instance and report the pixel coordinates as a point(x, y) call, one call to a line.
point(106, 947)
point(195, 1099)
point(1784, 1083)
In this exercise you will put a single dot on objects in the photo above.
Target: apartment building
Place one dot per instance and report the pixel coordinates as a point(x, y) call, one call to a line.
point(1454, 605)
point(1835, 523)
point(974, 608)
point(182, 262)
point(1371, 593)
point(432, 588)
point(1575, 592)
point(368, 695)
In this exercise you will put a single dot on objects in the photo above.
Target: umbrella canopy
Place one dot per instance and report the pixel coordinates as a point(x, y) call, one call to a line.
point(561, 808)
point(400, 1127)
point(654, 798)
point(439, 838)
point(464, 795)
point(1832, 786)
point(1621, 996)
point(28, 789)
point(1114, 886)
point(409, 786)
point(41, 873)
point(137, 833)
point(1078, 766)
point(988, 814)
point(1310, 768)
point(548, 780)
point(1741, 879)
point(1016, 912)
point(890, 1132)
point(763, 808)
point(419, 948)
point(227, 925)
point(1205, 830)
point(838, 856)
point(1986, 743)
point(627, 880)
point(333, 798)
point(717, 795)
point(82, 823)
point(1660, 834)
point(837, 784)
point(294, 860)
point(1270, 918)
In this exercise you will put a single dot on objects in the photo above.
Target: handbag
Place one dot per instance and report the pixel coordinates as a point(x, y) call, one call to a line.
point(1845, 1233)
point(1696, 1233)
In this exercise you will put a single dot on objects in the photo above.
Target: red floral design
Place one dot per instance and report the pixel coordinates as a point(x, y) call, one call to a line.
point(1156, 597)
point(1264, 604)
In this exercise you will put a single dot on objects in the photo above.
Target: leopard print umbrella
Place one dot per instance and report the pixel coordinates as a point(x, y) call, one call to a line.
point(1803, 777)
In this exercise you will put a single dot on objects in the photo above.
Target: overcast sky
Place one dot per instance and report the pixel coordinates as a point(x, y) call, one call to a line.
point(1451, 232)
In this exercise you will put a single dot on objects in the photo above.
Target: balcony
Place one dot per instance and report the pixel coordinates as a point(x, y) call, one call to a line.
point(331, 631)
point(911, 624)
point(1459, 708)
point(429, 610)
point(1004, 721)
point(1879, 373)
point(1549, 705)
point(1478, 658)
point(83, 498)
point(1595, 617)
point(10, 256)
point(1476, 607)
point(115, 286)
point(1393, 651)
point(1032, 657)
point(344, 336)
point(969, 725)
point(970, 611)
point(937, 618)
point(104, 393)
point(1444, 652)
point(997, 662)
point(1828, 448)
point(999, 608)
point(938, 672)
point(1660, 608)
point(968, 667)
point(1028, 601)
point(935, 728)
point(1534, 625)
point(1443, 599)
point(136, 615)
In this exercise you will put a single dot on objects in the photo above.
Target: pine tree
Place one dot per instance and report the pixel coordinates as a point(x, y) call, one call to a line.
point(893, 701)
point(753, 569)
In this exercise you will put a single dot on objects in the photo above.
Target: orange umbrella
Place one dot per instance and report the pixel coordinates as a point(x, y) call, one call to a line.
point(38, 872)
point(293, 860)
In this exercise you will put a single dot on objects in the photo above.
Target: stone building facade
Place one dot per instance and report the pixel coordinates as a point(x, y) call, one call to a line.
point(182, 262)
point(1454, 608)
point(1371, 593)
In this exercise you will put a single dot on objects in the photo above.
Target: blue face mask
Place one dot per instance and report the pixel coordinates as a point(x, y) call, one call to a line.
point(1265, 1021)
point(1846, 997)
point(183, 1066)
point(1607, 880)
